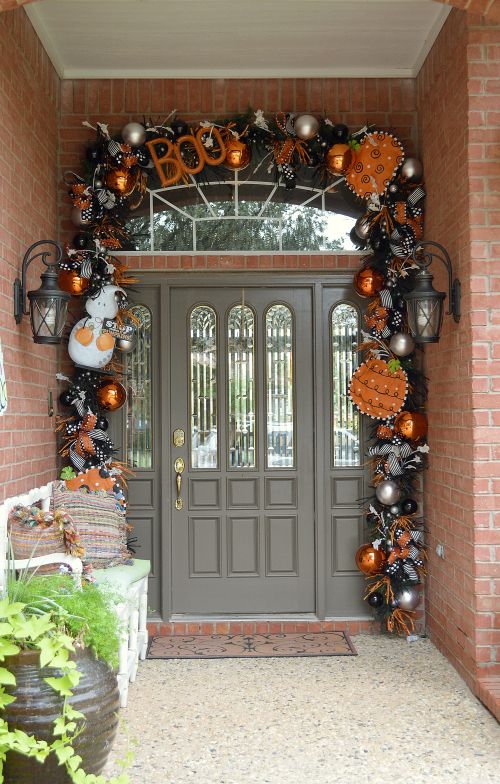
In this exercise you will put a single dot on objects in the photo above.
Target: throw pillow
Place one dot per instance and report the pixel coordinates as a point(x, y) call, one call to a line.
point(34, 532)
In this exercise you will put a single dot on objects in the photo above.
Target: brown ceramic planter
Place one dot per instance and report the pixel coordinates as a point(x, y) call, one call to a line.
point(37, 705)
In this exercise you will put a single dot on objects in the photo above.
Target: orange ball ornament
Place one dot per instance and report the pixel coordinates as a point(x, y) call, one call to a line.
point(72, 282)
point(368, 282)
point(121, 180)
point(238, 155)
point(111, 395)
point(411, 425)
point(338, 159)
point(369, 560)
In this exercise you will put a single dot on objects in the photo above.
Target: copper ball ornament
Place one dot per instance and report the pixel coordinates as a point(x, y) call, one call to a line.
point(338, 159)
point(402, 344)
point(72, 282)
point(120, 180)
point(306, 126)
point(388, 492)
point(411, 425)
point(369, 560)
point(368, 282)
point(134, 134)
point(111, 395)
point(238, 155)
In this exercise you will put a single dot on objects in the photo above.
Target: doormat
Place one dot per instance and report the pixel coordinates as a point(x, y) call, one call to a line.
point(248, 646)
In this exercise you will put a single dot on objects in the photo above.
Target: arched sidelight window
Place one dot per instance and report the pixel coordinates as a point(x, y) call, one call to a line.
point(203, 387)
point(241, 409)
point(279, 336)
point(345, 423)
point(139, 433)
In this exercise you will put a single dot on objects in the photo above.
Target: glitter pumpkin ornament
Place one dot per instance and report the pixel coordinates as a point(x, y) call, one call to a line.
point(377, 391)
point(411, 425)
point(368, 282)
point(374, 164)
point(369, 560)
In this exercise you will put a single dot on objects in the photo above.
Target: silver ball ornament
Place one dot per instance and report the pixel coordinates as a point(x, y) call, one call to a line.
point(412, 170)
point(77, 219)
point(362, 227)
point(394, 510)
point(408, 598)
point(388, 492)
point(306, 126)
point(134, 134)
point(125, 345)
point(402, 344)
point(98, 183)
point(393, 188)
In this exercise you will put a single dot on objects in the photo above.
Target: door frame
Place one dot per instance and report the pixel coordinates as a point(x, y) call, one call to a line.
point(316, 283)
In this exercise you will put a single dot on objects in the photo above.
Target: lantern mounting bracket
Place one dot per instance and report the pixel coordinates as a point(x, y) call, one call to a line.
point(20, 284)
point(424, 256)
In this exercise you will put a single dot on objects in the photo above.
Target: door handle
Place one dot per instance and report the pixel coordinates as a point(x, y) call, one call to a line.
point(179, 468)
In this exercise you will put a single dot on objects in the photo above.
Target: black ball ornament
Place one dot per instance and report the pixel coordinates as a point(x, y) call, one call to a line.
point(356, 240)
point(179, 127)
point(103, 472)
point(102, 423)
point(341, 133)
point(80, 241)
point(66, 398)
point(375, 600)
point(409, 506)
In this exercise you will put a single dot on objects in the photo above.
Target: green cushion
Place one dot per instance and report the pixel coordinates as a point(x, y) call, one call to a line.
point(120, 577)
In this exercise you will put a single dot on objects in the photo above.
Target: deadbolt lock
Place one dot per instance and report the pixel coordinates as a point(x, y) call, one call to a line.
point(178, 437)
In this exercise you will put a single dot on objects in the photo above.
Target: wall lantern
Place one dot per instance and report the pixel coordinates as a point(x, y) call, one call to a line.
point(48, 304)
point(425, 304)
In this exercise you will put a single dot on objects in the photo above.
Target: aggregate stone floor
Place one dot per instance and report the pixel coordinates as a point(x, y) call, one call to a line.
point(398, 712)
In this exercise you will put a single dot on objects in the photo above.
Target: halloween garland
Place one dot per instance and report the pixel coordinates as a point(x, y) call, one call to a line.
point(388, 386)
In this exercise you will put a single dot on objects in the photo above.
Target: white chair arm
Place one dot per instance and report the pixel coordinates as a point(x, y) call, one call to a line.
point(54, 558)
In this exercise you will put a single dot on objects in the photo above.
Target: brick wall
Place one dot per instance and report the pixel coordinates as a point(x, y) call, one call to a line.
point(29, 95)
point(458, 90)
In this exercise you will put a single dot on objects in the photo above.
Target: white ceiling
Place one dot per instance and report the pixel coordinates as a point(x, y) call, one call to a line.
point(237, 38)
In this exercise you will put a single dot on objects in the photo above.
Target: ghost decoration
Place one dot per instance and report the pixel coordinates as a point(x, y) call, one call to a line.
point(91, 345)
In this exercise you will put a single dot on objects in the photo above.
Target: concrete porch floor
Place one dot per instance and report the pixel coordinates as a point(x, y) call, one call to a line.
point(397, 711)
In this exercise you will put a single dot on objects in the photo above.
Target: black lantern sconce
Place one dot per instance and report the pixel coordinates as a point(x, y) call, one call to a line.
point(48, 304)
point(425, 304)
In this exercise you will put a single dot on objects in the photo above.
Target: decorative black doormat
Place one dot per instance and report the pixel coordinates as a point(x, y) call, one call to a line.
point(235, 646)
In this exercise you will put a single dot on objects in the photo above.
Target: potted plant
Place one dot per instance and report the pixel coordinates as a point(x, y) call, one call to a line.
point(58, 693)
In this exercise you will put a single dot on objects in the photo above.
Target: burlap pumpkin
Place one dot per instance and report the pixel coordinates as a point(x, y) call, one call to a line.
point(378, 392)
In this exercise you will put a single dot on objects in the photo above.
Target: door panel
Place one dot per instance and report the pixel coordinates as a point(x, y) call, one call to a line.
point(237, 545)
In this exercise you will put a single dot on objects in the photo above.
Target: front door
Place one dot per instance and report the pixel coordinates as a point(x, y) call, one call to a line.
point(241, 398)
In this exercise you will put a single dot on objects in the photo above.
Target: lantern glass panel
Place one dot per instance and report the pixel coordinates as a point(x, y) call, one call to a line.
point(425, 317)
point(48, 317)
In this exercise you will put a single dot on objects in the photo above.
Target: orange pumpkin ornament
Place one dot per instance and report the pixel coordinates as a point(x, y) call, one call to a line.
point(377, 391)
point(374, 164)
point(84, 336)
point(368, 282)
point(238, 155)
point(411, 425)
point(72, 282)
point(338, 158)
point(105, 341)
point(111, 395)
point(369, 560)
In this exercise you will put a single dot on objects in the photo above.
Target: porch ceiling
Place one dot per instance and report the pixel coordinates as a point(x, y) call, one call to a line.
point(232, 38)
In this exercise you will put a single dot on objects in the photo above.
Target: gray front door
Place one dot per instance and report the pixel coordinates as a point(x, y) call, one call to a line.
point(243, 518)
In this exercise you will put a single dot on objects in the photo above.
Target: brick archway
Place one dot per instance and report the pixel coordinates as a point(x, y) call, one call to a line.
point(487, 8)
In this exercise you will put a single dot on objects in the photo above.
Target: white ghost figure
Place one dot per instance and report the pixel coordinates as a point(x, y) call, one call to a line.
point(90, 345)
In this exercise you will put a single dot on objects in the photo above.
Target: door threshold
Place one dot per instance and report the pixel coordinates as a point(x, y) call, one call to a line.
point(269, 617)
